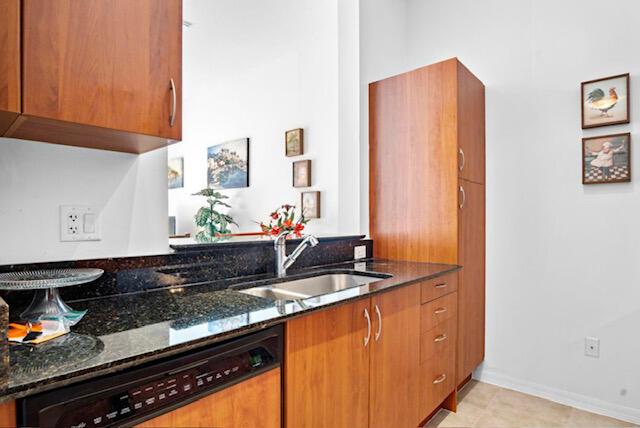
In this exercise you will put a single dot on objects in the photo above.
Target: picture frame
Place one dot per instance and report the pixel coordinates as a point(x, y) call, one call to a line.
point(310, 204)
point(302, 173)
point(228, 165)
point(294, 142)
point(175, 173)
point(605, 101)
point(606, 159)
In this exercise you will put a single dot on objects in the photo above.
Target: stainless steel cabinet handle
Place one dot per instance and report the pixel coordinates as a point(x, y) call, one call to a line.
point(462, 162)
point(368, 318)
point(174, 102)
point(379, 332)
point(441, 285)
point(464, 197)
point(440, 338)
point(440, 311)
point(440, 379)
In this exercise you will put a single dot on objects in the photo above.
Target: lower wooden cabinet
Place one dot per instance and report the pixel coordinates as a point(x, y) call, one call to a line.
point(8, 417)
point(249, 404)
point(356, 365)
point(327, 368)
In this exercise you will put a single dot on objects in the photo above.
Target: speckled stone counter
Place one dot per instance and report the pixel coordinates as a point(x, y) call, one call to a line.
point(126, 330)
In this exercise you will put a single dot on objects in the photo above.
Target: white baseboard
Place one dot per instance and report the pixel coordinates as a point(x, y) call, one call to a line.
point(567, 398)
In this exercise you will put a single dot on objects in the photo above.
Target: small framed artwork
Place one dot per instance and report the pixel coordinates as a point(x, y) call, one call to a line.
point(228, 165)
point(302, 173)
point(176, 173)
point(311, 204)
point(605, 101)
point(606, 159)
point(294, 142)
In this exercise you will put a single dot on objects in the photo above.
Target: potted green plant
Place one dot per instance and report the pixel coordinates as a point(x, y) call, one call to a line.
point(213, 222)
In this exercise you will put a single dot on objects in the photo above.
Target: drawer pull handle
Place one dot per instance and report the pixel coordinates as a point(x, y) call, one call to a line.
point(441, 338)
point(174, 102)
point(441, 285)
point(368, 318)
point(440, 311)
point(440, 379)
point(462, 162)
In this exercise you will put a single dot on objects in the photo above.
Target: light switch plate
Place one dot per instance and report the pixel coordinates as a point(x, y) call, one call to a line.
point(360, 252)
point(79, 223)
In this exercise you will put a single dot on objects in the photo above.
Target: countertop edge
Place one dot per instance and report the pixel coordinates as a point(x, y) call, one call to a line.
point(141, 359)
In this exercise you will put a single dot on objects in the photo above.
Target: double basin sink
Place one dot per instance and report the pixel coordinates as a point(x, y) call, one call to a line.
point(320, 285)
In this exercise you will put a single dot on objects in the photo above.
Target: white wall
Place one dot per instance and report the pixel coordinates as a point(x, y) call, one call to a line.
point(383, 51)
point(256, 69)
point(562, 258)
point(37, 178)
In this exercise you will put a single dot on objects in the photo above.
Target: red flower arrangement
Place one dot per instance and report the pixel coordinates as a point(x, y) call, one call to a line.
point(283, 220)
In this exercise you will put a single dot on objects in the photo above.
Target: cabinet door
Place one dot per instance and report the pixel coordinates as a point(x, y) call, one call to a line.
point(471, 279)
point(327, 368)
point(248, 404)
point(471, 132)
point(395, 359)
point(106, 63)
point(9, 62)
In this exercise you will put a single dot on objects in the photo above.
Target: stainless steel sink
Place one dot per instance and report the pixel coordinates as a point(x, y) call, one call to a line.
point(305, 288)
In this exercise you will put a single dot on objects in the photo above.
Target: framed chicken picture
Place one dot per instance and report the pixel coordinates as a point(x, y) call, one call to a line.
point(605, 101)
point(606, 159)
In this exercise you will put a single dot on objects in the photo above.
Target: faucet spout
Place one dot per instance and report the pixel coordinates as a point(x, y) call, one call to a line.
point(283, 262)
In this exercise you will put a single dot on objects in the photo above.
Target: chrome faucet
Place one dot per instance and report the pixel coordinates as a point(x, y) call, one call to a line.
point(283, 262)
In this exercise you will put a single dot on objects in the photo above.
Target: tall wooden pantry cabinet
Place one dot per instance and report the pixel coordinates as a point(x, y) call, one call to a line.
point(427, 184)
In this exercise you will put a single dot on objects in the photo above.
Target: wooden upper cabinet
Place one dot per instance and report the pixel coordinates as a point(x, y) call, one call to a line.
point(413, 164)
point(327, 368)
point(471, 126)
point(101, 71)
point(395, 359)
point(471, 288)
point(9, 62)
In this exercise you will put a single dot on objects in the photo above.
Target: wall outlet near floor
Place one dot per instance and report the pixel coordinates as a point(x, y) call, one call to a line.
point(592, 347)
point(360, 252)
point(79, 223)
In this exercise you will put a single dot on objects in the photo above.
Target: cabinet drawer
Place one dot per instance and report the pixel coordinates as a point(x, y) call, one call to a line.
point(434, 313)
point(438, 381)
point(439, 342)
point(438, 287)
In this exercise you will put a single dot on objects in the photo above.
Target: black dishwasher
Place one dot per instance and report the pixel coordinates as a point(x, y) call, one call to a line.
point(133, 396)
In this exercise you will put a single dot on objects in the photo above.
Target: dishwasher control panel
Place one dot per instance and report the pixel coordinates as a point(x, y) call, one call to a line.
point(154, 395)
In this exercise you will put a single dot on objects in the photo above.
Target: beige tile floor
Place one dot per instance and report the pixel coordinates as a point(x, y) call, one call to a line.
point(481, 405)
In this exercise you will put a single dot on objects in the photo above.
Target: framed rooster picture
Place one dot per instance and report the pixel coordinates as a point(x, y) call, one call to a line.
point(605, 101)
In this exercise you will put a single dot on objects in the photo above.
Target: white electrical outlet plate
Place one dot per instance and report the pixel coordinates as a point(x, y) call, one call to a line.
point(592, 347)
point(360, 252)
point(79, 223)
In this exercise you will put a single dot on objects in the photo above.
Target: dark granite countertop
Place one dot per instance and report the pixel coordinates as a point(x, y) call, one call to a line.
point(131, 329)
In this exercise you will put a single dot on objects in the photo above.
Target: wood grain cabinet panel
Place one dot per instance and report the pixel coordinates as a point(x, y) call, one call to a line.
point(8, 418)
point(327, 368)
point(95, 71)
point(427, 154)
point(9, 62)
point(438, 287)
point(395, 363)
point(471, 288)
point(438, 311)
point(249, 404)
point(471, 129)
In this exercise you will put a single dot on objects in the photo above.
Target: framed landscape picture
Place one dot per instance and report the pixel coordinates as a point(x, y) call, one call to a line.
point(294, 142)
point(606, 159)
point(605, 101)
point(311, 204)
point(302, 173)
point(176, 173)
point(228, 165)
